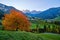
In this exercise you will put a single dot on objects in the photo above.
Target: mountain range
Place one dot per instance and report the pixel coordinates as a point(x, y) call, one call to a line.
point(50, 13)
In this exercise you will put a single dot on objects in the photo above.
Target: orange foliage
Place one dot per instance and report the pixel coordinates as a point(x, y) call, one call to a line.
point(16, 20)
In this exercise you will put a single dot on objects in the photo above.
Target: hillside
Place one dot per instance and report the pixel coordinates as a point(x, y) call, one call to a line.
point(57, 18)
point(18, 35)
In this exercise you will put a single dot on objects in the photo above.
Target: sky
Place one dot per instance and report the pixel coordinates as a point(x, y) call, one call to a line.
point(32, 4)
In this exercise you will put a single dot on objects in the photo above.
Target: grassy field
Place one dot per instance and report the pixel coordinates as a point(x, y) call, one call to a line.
point(19, 35)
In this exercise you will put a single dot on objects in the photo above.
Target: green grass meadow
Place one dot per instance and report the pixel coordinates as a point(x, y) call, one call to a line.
point(19, 35)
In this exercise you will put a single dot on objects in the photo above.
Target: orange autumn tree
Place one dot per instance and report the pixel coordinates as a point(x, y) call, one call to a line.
point(16, 20)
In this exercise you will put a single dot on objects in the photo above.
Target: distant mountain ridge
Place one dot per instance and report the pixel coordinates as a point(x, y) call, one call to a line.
point(47, 14)
point(5, 8)
point(50, 13)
